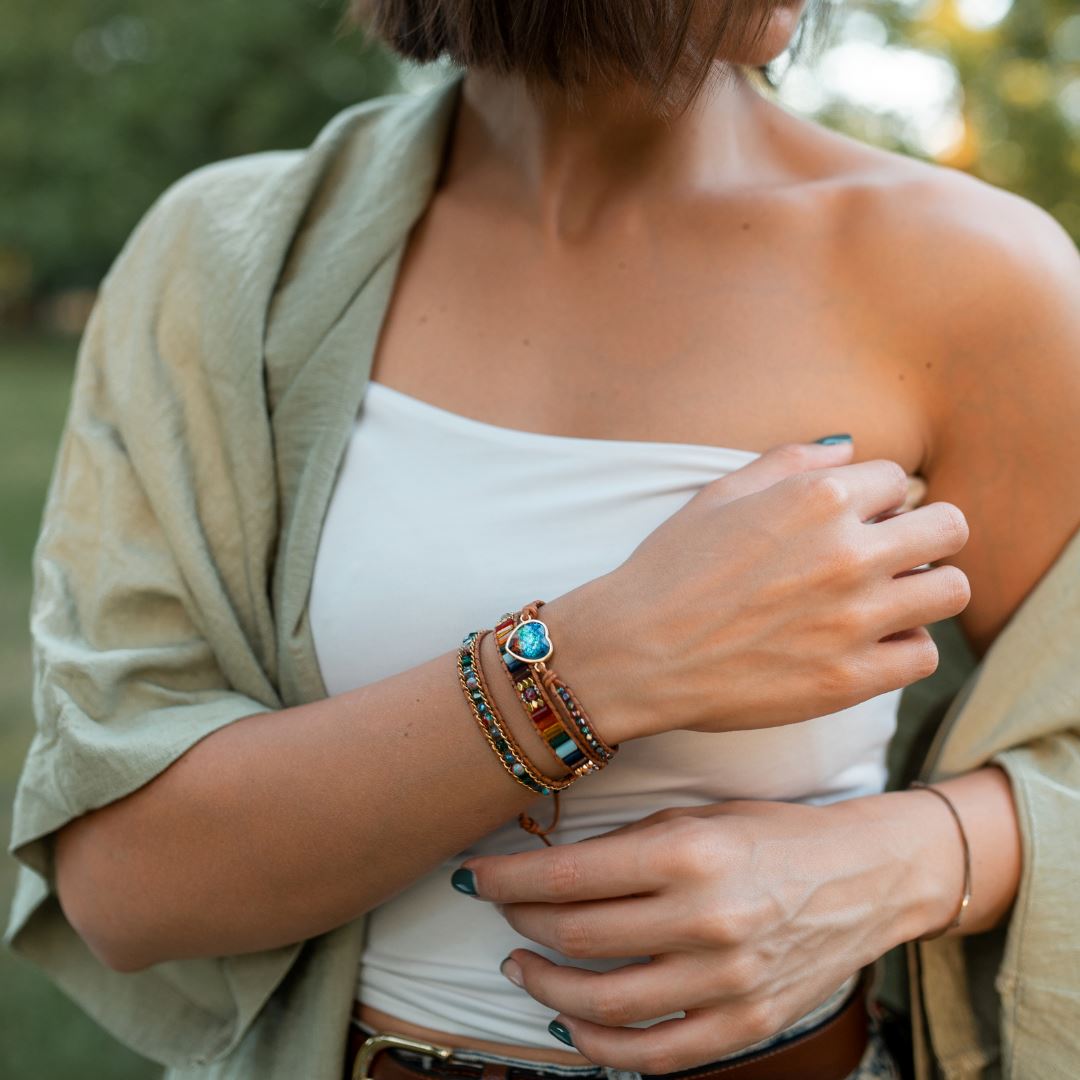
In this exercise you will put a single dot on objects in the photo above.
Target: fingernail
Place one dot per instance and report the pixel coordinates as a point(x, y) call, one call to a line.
point(512, 970)
point(464, 881)
point(832, 440)
point(560, 1032)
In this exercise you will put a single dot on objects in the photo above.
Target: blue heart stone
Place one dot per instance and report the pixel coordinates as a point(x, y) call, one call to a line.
point(530, 642)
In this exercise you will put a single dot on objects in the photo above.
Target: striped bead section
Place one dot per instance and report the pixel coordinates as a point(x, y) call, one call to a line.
point(568, 747)
point(547, 723)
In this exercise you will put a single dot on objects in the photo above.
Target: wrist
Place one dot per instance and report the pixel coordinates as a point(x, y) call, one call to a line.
point(585, 659)
point(925, 883)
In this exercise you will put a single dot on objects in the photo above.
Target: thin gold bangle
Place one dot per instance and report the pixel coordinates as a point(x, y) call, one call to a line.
point(965, 902)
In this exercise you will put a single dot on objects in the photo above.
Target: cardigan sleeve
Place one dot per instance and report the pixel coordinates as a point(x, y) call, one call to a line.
point(1039, 979)
point(1021, 712)
point(150, 619)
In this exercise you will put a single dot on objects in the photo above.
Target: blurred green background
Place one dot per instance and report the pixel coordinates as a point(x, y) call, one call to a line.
point(104, 102)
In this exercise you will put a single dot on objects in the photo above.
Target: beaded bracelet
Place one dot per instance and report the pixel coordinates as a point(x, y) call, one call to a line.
point(524, 643)
point(563, 742)
point(499, 737)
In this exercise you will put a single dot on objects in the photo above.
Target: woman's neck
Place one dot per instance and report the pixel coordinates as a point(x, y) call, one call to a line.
point(574, 171)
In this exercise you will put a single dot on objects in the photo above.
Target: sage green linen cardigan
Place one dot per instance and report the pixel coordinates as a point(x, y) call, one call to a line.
point(213, 394)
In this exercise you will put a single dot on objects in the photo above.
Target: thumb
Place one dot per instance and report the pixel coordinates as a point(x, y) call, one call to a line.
point(780, 462)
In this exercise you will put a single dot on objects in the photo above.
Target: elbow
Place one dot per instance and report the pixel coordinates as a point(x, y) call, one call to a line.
point(93, 901)
point(118, 953)
point(118, 961)
point(117, 956)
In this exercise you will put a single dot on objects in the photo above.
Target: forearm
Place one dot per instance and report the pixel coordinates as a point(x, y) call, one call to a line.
point(283, 825)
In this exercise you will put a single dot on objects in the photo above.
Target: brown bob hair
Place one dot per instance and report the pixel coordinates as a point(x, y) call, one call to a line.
point(667, 47)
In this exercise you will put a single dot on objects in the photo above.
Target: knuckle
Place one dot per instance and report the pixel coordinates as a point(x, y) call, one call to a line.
point(954, 525)
point(827, 491)
point(847, 559)
point(844, 679)
point(741, 975)
point(564, 874)
point(724, 926)
point(759, 1019)
point(841, 677)
point(691, 844)
point(894, 477)
point(659, 1060)
point(570, 936)
point(857, 620)
point(955, 588)
point(611, 1008)
point(792, 455)
point(717, 928)
point(924, 656)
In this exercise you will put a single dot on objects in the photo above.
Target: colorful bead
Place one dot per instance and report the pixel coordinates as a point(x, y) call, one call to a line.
point(520, 637)
point(499, 738)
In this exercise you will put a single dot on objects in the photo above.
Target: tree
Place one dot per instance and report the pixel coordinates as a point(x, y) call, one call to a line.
point(106, 102)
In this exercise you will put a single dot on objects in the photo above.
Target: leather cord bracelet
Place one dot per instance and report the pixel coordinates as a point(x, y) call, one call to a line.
point(557, 716)
point(486, 713)
point(569, 731)
point(966, 900)
point(566, 743)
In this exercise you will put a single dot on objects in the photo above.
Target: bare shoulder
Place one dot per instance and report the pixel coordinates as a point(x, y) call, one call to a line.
point(920, 222)
point(978, 292)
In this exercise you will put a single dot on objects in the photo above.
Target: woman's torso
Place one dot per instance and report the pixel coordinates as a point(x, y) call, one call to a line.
point(580, 506)
point(742, 319)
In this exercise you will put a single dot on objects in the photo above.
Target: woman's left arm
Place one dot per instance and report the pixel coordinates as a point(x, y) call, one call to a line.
point(751, 913)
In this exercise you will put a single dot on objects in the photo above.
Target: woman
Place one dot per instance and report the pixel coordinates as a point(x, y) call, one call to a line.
point(780, 593)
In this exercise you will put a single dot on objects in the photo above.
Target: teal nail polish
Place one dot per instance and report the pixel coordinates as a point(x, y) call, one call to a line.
point(560, 1032)
point(464, 881)
point(832, 440)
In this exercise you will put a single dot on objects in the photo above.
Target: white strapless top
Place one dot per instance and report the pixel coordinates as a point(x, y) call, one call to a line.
point(464, 520)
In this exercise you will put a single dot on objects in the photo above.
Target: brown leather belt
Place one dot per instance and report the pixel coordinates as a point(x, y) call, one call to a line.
point(831, 1051)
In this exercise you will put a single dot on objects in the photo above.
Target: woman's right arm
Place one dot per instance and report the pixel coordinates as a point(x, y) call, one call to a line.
point(285, 824)
point(764, 601)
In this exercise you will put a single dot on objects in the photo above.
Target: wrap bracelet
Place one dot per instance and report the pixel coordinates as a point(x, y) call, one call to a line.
point(561, 740)
point(524, 646)
point(966, 901)
point(499, 737)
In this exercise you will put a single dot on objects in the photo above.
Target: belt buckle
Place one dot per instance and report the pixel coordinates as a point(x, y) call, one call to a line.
point(373, 1044)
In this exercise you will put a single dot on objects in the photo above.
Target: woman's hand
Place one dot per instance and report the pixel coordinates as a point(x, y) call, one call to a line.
point(782, 591)
point(752, 914)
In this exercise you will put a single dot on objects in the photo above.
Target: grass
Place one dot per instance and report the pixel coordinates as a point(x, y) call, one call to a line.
point(43, 1035)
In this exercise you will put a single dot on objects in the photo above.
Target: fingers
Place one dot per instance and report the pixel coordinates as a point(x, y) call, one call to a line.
point(926, 597)
point(926, 534)
point(904, 658)
point(866, 488)
point(629, 926)
point(778, 463)
point(869, 488)
point(626, 995)
point(612, 866)
point(701, 1037)
point(657, 817)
